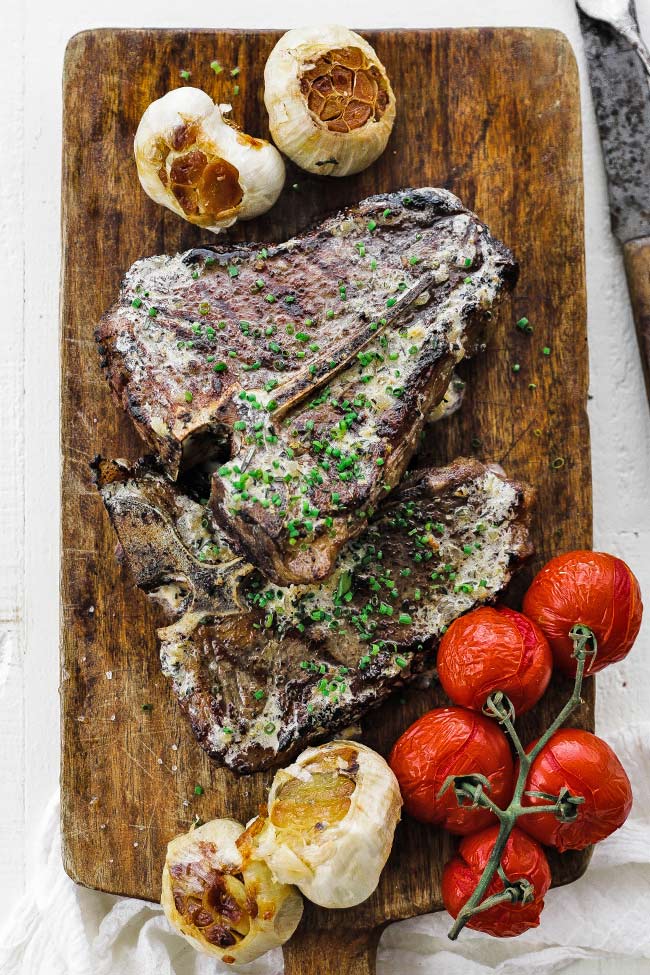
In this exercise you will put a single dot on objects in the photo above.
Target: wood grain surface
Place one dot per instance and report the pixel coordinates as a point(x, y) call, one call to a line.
point(493, 115)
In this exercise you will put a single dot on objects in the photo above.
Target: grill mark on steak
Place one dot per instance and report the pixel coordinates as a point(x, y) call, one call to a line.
point(317, 418)
point(299, 662)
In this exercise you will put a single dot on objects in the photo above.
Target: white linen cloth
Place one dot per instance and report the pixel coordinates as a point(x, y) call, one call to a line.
point(58, 928)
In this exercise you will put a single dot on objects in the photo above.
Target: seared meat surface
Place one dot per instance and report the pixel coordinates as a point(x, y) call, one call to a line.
point(308, 367)
point(260, 669)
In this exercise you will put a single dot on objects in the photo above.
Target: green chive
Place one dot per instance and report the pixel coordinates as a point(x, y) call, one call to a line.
point(198, 790)
point(188, 396)
point(216, 67)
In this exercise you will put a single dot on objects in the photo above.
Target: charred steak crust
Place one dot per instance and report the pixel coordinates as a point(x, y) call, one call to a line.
point(261, 670)
point(311, 364)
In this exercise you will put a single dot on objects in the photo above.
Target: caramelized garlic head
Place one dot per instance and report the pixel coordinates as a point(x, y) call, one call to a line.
point(330, 824)
point(223, 901)
point(196, 163)
point(330, 103)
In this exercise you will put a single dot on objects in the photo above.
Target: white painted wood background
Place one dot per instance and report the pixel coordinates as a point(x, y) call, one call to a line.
point(31, 53)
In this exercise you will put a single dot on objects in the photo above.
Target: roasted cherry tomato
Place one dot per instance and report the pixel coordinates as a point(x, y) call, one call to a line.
point(586, 766)
point(451, 741)
point(592, 588)
point(494, 649)
point(523, 859)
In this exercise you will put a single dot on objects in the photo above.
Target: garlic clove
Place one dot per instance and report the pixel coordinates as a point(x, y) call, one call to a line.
point(330, 824)
point(193, 161)
point(223, 900)
point(330, 102)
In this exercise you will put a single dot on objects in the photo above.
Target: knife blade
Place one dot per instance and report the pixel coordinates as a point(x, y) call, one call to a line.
point(620, 83)
point(620, 87)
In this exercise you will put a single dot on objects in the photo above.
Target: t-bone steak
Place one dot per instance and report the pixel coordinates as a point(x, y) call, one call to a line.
point(308, 367)
point(259, 669)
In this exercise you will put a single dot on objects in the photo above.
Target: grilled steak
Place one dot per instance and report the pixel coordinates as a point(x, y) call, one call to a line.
point(261, 670)
point(310, 365)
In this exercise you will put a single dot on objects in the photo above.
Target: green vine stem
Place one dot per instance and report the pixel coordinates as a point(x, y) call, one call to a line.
point(473, 788)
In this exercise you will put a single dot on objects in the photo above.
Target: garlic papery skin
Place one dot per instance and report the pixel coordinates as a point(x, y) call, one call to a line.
point(330, 103)
point(222, 900)
point(194, 162)
point(330, 825)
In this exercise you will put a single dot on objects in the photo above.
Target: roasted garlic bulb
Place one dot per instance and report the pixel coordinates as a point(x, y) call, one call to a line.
point(221, 899)
point(331, 107)
point(196, 163)
point(330, 824)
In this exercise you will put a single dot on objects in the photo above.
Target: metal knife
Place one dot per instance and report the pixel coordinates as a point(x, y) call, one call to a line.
point(619, 72)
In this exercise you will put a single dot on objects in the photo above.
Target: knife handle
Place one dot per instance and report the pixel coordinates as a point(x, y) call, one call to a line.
point(636, 254)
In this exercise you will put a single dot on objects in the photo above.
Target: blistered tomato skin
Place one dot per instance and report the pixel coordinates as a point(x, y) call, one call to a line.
point(587, 766)
point(592, 588)
point(494, 649)
point(451, 741)
point(522, 858)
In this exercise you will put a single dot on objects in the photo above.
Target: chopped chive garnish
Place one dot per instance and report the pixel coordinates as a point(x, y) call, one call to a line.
point(198, 790)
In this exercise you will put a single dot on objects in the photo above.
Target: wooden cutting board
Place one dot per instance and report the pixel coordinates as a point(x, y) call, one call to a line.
point(492, 115)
